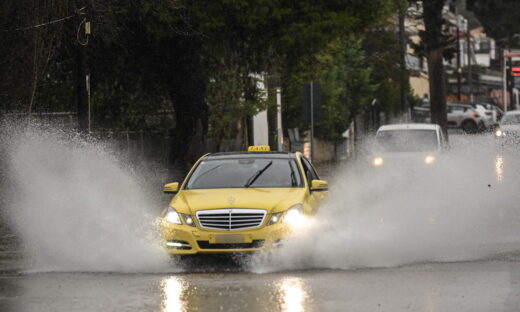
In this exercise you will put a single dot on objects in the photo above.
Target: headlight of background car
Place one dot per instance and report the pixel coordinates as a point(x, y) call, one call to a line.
point(499, 133)
point(172, 216)
point(378, 161)
point(294, 216)
point(429, 159)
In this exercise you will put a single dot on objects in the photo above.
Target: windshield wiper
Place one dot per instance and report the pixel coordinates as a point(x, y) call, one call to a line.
point(253, 178)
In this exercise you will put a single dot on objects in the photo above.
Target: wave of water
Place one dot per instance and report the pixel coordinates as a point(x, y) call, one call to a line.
point(76, 206)
point(463, 208)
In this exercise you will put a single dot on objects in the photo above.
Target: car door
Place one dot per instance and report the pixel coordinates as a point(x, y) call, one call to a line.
point(455, 115)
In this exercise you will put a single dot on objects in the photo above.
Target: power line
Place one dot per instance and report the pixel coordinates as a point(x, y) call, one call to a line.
point(79, 12)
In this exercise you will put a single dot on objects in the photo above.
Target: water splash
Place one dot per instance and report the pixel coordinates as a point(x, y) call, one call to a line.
point(463, 208)
point(76, 206)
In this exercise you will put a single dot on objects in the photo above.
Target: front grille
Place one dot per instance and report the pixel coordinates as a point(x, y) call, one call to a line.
point(231, 219)
point(254, 244)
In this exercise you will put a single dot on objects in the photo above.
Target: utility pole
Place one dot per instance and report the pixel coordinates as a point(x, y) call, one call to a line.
point(470, 71)
point(312, 121)
point(82, 76)
point(402, 48)
point(504, 80)
point(279, 118)
point(459, 96)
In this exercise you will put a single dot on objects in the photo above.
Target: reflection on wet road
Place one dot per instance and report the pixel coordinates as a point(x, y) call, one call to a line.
point(293, 294)
point(174, 289)
point(473, 286)
point(235, 292)
point(499, 168)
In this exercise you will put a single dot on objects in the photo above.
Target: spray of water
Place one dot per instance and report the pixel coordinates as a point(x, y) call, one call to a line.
point(76, 207)
point(463, 208)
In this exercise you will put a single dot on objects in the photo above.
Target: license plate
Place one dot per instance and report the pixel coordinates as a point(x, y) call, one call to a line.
point(228, 239)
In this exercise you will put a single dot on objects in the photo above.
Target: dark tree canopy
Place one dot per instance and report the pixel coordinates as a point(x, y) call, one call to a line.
point(194, 58)
point(499, 18)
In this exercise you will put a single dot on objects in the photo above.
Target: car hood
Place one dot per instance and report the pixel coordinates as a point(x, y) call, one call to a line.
point(270, 199)
point(515, 128)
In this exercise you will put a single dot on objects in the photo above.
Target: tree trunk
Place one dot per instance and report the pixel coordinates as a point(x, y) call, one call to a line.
point(437, 89)
point(81, 88)
point(187, 92)
point(434, 43)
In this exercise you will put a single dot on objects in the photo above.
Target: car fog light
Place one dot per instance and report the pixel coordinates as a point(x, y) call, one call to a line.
point(499, 133)
point(188, 219)
point(178, 244)
point(274, 218)
point(429, 160)
point(378, 161)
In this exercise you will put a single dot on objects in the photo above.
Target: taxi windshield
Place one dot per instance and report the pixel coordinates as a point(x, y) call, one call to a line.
point(407, 140)
point(245, 172)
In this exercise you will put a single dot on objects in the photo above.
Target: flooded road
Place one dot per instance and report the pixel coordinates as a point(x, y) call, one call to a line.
point(444, 240)
point(472, 286)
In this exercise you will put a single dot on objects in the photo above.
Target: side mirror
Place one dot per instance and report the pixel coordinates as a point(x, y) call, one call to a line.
point(171, 187)
point(319, 185)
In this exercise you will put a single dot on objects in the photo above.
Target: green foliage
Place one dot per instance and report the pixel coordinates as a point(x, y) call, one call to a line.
point(197, 57)
point(345, 81)
point(383, 54)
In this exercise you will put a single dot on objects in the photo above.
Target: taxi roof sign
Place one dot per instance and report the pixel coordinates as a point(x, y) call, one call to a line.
point(259, 148)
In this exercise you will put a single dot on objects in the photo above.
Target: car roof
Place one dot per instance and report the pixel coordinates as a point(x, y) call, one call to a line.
point(460, 104)
point(513, 112)
point(227, 155)
point(410, 126)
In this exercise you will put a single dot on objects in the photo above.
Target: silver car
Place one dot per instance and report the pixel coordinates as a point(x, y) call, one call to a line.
point(509, 128)
point(465, 117)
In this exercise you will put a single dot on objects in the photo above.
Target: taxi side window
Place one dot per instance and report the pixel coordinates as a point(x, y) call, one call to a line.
point(310, 173)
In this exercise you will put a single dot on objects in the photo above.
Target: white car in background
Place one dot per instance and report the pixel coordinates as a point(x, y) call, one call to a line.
point(466, 117)
point(509, 128)
point(408, 145)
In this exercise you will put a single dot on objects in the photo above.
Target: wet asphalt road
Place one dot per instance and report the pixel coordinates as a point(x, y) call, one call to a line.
point(472, 286)
point(492, 284)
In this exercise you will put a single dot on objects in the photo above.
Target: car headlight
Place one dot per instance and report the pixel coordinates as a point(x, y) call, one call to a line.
point(172, 216)
point(429, 159)
point(294, 216)
point(378, 161)
point(274, 218)
point(499, 133)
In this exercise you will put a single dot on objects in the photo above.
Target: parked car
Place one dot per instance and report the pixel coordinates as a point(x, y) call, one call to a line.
point(466, 117)
point(470, 118)
point(486, 111)
point(499, 111)
point(492, 104)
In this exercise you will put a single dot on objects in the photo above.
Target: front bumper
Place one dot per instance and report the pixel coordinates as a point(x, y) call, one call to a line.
point(188, 240)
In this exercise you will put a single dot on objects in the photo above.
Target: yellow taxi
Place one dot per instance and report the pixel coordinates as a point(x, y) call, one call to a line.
point(240, 202)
